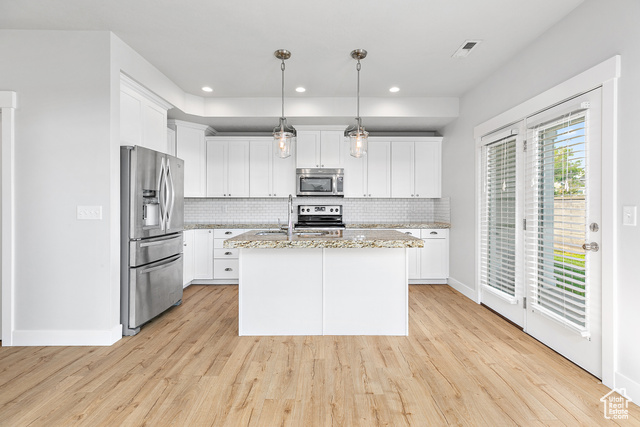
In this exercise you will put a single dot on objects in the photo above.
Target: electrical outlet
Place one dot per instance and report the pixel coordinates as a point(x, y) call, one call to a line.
point(629, 215)
point(89, 212)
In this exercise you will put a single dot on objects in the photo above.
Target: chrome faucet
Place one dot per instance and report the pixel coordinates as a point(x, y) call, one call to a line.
point(290, 217)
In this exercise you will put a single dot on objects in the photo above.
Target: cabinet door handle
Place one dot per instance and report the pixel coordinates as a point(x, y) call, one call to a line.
point(364, 195)
point(408, 232)
point(369, 195)
point(417, 195)
point(227, 232)
point(434, 232)
point(185, 244)
point(321, 166)
point(228, 269)
point(209, 231)
point(226, 253)
point(274, 194)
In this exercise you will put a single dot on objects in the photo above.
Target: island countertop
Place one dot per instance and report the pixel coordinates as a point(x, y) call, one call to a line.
point(336, 239)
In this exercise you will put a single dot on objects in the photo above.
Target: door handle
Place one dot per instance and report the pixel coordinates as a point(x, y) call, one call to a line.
point(227, 253)
point(228, 269)
point(591, 247)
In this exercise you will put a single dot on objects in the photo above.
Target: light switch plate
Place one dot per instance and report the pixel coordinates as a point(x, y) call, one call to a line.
point(629, 215)
point(89, 212)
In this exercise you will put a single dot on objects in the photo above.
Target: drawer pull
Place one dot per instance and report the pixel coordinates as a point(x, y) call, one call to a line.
point(227, 253)
point(228, 269)
point(408, 232)
point(227, 232)
point(434, 232)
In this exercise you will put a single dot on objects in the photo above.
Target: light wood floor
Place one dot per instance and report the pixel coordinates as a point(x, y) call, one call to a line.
point(460, 365)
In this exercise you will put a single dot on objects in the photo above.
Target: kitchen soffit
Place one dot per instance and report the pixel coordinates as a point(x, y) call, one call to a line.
point(229, 45)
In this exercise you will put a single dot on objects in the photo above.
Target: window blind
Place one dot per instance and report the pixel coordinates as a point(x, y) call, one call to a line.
point(555, 211)
point(498, 229)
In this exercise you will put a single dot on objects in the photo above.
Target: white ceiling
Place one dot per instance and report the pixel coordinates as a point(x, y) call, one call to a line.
point(229, 45)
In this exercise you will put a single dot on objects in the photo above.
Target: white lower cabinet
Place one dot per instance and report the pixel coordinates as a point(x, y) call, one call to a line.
point(188, 257)
point(225, 262)
point(434, 261)
point(203, 249)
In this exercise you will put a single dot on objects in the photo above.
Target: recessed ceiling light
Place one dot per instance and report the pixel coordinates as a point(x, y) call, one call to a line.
point(207, 89)
point(300, 89)
point(394, 89)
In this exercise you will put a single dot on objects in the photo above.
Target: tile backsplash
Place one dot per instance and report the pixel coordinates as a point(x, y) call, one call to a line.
point(268, 210)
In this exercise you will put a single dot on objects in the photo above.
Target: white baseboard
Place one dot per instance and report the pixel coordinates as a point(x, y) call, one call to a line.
point(67, 337)
point(214, 282)
point(632, 387)
point(464, 289)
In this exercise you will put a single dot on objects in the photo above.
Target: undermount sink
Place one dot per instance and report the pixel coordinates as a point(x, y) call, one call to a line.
point(268, 232)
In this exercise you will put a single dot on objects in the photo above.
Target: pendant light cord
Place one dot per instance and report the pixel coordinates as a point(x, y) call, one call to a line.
point(358, 93)
point(282, 68)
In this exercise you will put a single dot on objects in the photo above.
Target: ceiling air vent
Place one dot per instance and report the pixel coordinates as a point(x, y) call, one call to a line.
point(466, 48)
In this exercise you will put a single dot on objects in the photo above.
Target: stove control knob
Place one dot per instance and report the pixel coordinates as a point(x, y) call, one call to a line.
point(331, 209)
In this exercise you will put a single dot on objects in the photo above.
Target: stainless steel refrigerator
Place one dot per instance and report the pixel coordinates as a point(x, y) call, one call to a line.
point(152, 220)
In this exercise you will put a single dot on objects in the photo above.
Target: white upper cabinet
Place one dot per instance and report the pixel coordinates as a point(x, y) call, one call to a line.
point(143, 117)
point(370, 175)
point(191, 147)
point(227, 168)
point(428, 169)
point(379, 169)
point(270, 176)
point(415, 168)
point(319, 149)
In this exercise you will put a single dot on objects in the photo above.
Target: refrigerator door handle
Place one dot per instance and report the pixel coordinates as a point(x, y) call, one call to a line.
point(171, 196)
point(158, 242)
point(161, 195)
point(161, 266)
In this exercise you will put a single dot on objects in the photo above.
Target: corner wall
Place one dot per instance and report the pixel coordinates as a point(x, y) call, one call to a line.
point(592, 33)
point(62, 136)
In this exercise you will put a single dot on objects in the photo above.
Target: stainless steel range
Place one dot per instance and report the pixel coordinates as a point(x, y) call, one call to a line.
point(320, 216)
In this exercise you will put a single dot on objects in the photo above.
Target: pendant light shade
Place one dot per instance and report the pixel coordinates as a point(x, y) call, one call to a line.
point(358, 137)
point(283, 134)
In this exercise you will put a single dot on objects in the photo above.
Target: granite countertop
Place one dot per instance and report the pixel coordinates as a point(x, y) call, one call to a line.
point(336, 239)
point(256, 226)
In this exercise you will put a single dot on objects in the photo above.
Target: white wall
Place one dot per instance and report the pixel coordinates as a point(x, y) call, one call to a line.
point(594, 32)
point(62, 144)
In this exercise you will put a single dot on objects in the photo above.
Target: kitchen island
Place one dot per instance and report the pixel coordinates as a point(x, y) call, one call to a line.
point(344, 282)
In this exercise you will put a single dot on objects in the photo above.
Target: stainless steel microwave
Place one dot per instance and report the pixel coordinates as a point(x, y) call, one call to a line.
point(320, 182)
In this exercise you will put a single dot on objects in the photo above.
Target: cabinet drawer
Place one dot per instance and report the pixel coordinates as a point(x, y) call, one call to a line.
point(225, 253)
point(440, 233)
point(226, 233)
point(225, 269)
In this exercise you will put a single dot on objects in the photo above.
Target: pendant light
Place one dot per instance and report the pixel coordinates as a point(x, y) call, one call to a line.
point(283, 134)
point(358, 137)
